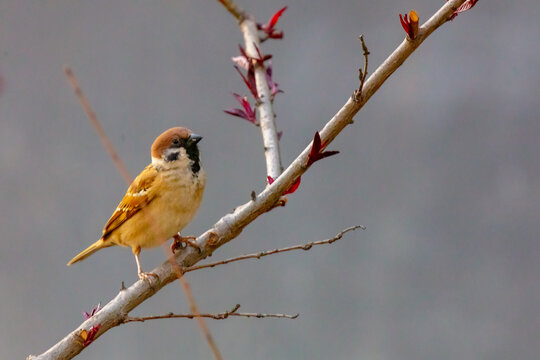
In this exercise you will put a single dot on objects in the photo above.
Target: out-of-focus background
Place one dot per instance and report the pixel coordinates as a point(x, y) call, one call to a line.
point(442, 166)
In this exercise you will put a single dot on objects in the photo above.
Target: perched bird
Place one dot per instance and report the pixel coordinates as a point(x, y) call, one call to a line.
point(161, 201)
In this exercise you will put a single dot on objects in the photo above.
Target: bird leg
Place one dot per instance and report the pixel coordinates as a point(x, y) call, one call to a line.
point(179, 240)
point(142, 275)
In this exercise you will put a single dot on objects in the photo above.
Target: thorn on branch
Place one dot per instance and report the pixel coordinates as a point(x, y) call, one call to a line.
point(410, 25)
point(362, 75)
point(467, 5)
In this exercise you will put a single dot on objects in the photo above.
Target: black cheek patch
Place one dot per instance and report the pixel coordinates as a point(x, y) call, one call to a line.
point(172, 156)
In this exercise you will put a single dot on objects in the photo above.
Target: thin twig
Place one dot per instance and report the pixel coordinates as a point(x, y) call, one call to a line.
point(120, 165)
point(362, 75)
point(261, 254)
point(192, 303)
point(97, 125)
point(217, 316)
point(231, 225)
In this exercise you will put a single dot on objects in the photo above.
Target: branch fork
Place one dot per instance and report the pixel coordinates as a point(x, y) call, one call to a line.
point(362, 75)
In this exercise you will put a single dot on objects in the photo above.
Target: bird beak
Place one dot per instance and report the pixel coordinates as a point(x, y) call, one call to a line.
point(194, 138)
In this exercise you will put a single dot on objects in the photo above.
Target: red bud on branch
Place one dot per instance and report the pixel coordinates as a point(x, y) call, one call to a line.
point(464, 7)
point(410, 24)
point(294, 186)
point(249, 80)
point(271, 84)
point(92, 313)
point(89, 336)
point(316, 148)
point(260, 59)
point(269, 28)
point(248, 113)
point(241, 61)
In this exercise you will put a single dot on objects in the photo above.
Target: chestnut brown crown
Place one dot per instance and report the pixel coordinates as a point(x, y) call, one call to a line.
point(175, 137)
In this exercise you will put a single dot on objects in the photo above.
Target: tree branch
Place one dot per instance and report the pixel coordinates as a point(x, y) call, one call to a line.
point(229, 226)
point(193, 304)
point(217, 316)
point(261, 254)
point(362, 75)
point(234, 9)
point(265, 107)
point(264, 102)
point(97, 125)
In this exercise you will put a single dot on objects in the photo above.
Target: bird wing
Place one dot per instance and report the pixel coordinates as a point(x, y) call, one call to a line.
point(139, 194)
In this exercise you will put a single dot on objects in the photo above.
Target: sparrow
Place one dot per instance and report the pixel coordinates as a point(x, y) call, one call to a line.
point(160, 202)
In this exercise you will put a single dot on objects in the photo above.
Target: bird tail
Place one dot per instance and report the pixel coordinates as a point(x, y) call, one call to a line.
point(98, 245)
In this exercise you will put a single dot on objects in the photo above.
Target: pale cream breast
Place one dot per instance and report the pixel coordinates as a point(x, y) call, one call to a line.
point(179, 198)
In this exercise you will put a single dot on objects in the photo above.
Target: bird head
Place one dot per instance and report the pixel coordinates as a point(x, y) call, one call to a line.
point(176, 146)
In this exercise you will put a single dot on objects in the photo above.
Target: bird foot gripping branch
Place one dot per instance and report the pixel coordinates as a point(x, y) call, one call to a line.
point(186, 240)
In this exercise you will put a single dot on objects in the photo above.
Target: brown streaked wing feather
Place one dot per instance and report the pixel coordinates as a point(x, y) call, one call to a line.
point(131, 204)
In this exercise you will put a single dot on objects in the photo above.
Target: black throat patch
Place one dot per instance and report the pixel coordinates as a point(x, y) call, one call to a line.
point(193, 154)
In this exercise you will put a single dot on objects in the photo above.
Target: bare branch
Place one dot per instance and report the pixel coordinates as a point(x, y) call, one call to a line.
point(234, 9)
point(192, 303)
point(265, 107)
point(97, 125)
point(217, 316)
point(261, 254)
point(230, 225)
point(362, 75)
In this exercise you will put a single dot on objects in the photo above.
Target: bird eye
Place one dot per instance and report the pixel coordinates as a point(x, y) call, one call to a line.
point(176, 142)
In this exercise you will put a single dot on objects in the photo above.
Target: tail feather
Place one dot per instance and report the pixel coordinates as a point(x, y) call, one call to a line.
point(98, 245)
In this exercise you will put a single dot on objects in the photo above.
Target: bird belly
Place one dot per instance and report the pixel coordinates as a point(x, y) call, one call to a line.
point(165, 216)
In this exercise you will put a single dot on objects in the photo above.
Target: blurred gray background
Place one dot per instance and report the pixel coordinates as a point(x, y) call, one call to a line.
point(442, 166)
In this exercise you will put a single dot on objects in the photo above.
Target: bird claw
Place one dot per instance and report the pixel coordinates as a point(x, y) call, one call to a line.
point(179, 240)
